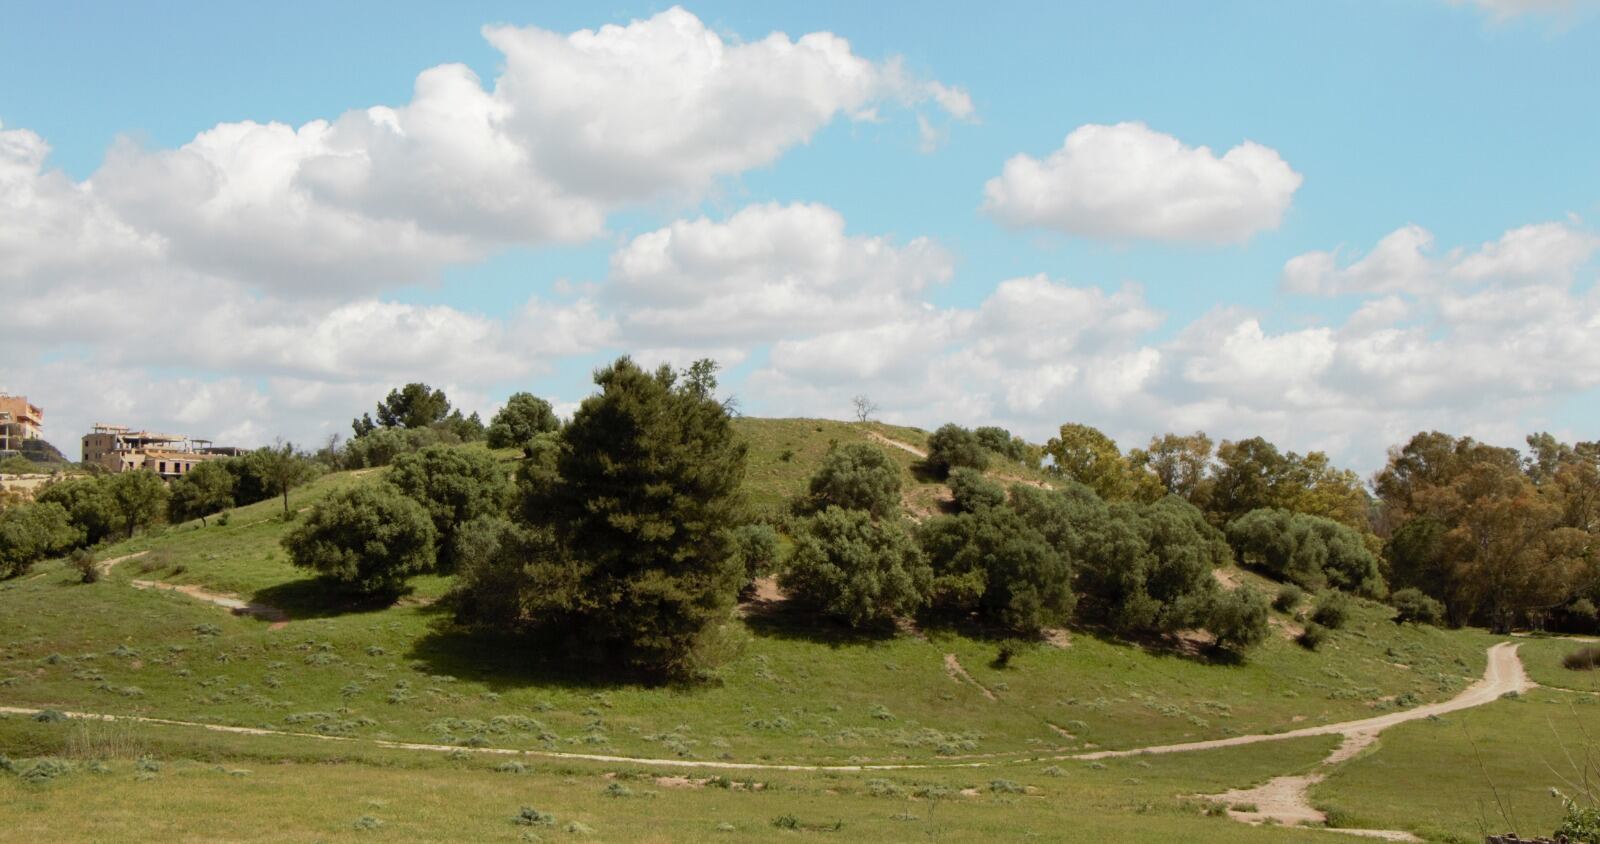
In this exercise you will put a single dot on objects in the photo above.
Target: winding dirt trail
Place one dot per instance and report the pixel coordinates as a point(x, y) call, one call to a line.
point(232, 603)
point(1503, 674)
point(1286, 800)
point(894, 443)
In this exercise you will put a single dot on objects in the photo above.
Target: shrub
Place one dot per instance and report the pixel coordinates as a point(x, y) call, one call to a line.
point(952, 447)
point(856, 477)
point(1140, 568)
point(529, 816)
point(205, 489)
point(1583, 659)
point(1310, 551)
point(454, 486)
point(369, 538)
point(857, 569)
point(88, 503)
point(992, 563)
point(88, 568)
point(524, 418)
point(1313, 636)
point(1239, 619)
point(1413, 605)
point(32, 532)
point(1288, 598)
point(756, 547)
point(1001, 442)
point(1332, 610)
point(973, 492)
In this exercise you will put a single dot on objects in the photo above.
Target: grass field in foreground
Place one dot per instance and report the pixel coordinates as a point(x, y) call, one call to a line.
point(1445, 778)
point(244, 789)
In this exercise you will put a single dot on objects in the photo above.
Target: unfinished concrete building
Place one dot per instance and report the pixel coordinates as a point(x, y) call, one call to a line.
point(20, 420)
point(119, 449)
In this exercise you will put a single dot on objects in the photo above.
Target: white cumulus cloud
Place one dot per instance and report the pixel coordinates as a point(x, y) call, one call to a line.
point(1130, 182)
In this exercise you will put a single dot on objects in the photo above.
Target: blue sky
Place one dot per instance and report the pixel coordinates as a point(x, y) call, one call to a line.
point(1467, 120)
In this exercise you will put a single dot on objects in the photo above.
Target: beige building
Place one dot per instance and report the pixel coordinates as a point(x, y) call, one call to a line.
point(19, 420)
point(119, 449)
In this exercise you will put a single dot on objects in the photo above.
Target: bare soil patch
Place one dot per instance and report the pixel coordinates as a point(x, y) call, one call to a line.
point(958, 673)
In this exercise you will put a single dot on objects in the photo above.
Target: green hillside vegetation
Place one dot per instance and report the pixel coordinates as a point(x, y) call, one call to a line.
point(975, 613)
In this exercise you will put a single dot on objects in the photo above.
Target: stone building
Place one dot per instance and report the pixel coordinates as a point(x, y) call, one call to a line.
point(119, 449)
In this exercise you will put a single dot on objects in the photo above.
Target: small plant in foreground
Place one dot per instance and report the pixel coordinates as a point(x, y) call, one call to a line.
point(529, 816)
point(1313, 636)
point(1332, 610)
point(1582, 659)
point(87, 566)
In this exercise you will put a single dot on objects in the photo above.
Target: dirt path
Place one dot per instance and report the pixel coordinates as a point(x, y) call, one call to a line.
point(1504, 674)
point(893, 443)
point(953, 667)
point(107, 565)
point(234, 604)
point(1286, 800)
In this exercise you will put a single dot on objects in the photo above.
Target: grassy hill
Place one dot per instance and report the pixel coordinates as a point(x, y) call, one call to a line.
point(790, 691)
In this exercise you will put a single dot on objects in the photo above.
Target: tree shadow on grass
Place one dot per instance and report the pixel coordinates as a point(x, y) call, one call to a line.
point(792, 620)
point(509, 661)
point(316, 597)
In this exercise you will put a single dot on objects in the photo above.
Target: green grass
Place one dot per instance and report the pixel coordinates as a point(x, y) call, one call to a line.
point(222, 787)
point(1439, 777)
point(1543, 655)
point(789, 690)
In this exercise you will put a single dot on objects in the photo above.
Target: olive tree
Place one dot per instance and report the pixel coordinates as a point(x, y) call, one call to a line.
point(369, 539)
point(855, 477)
point(524, 417)
point(454, 486)
point(952, 447)
point(856, 569)
point(205, 489)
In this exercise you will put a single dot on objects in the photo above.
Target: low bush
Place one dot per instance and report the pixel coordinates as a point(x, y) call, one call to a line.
point(857, 569)
point(1313, 636)
point(952, 447)
point(1415, 606)
point(1288, 598)
point(1582, 659)
point(1332, 610)
point(973, 492)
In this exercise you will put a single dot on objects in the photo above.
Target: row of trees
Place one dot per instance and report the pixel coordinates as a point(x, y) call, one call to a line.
point(1018, 561)
point(1495, 535)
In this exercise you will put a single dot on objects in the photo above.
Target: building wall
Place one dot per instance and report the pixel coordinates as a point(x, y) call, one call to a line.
point(29, 416)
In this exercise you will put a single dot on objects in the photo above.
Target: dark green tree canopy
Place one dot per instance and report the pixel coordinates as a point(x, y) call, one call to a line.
point(953, 446)
point(524, 417)
point(139, 499)
point(205, 489)
point(857, 476)
point(32, 532)
point(857, 569)
point(990, 562)
point(415, 405)
point(1308, 550)
point(454, 486)
point(973, 492)
point(88, 503)
point(369, 539)
point(644, 490)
